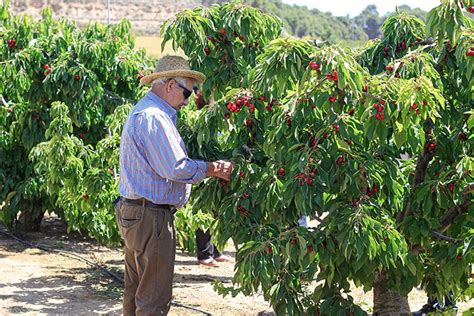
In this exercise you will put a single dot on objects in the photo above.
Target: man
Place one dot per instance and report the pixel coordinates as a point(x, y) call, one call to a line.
point(155, 178)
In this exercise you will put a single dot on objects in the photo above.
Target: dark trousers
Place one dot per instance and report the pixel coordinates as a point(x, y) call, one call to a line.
point(205, 249)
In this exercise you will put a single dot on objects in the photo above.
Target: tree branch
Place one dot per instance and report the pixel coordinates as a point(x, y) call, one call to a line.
point(420, 171)
point(440, 236)
point(454, 212)
point(449, 217)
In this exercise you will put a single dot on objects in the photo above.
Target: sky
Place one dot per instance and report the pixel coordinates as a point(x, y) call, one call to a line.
point(354, 7)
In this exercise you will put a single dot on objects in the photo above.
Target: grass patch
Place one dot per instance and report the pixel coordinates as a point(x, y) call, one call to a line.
point(152, 45)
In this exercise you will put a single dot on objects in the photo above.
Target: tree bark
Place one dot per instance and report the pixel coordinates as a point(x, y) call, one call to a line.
point(29, 222)
point(388, 302)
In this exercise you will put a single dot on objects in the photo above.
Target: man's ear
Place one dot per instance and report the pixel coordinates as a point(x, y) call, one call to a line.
point(170, 85)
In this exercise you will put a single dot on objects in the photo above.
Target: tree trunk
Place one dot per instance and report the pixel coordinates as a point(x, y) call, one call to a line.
point(386, 301)
point(29, 222)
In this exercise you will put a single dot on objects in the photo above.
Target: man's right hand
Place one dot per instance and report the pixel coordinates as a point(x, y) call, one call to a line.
point(220, 169)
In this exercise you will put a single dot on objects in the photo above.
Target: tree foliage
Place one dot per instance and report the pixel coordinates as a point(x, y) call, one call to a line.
point(375, 144)
point(65, 95)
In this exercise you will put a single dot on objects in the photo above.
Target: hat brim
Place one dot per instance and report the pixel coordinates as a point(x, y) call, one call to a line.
point(196, 75)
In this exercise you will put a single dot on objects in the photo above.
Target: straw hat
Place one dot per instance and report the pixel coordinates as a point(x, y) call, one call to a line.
point(173, 66)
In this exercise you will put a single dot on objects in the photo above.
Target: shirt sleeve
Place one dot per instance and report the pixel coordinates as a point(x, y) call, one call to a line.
point(161, 144)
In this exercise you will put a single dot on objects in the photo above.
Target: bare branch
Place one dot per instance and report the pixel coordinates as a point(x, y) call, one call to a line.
point(454, 212)
point(440, 236)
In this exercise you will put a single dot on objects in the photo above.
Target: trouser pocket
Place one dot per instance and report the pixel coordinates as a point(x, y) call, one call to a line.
point(163, 224)
point(130, 221)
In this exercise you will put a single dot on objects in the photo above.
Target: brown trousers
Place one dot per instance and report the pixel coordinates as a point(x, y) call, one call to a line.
point(150, 247)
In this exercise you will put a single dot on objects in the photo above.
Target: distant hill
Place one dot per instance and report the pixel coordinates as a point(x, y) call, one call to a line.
point(301, 22)
point(147, 16)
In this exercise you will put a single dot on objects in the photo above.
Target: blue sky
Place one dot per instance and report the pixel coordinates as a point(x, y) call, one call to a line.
point(354, 7)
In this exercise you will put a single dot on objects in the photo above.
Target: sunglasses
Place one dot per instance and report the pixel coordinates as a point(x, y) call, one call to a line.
point(186, 92)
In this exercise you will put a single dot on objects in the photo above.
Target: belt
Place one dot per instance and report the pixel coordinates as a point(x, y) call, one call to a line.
point(146, 203)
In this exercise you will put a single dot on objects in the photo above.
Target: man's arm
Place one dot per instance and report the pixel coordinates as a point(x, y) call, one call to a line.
point(169, 160)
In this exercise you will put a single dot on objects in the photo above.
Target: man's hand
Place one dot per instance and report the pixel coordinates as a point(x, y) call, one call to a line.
point(220, 169)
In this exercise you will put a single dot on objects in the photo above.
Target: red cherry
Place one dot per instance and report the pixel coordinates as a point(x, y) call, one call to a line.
point(248, 123)
point(332, 99)
point(332, 76)
point(241, 174)
point(340, 160)
point(231, 106)
point(351, 112)
point(46, 66)
point(85, 197)
point(314, 65)
point(375, 189)
point(462, 136)
point(309, 181)
point(414, 106)
point(252, 108)
point(223, 32)
point(281, 171)
point(77, 77)
point(471, 9)
point(310, 248)
point(470, 53)
point(389, 68)
point(459, 257)
point(293, 241)
point(262, 98)
point(11, 43)
point(9, 110)
point(269, 250)
point(451, 187)
point(431, 146)
point(365, 88)
point(222, 183)
point(139, 76)
point(207, 50)
point(336, 127)
point(425, 103)
point(268, 108)
point(227, 116)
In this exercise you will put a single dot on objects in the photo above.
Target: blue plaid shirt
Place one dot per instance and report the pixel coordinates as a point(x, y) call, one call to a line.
point(153, 161)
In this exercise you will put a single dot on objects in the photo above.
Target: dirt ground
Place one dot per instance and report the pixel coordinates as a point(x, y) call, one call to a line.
point(36, 282)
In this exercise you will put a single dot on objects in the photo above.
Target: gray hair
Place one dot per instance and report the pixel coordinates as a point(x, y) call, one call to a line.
point(162, 81)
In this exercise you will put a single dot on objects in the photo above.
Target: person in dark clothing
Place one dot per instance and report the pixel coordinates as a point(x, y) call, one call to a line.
point(207, 253)
point(433, 305)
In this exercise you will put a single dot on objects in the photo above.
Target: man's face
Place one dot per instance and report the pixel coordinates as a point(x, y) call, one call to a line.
point(180, 93)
